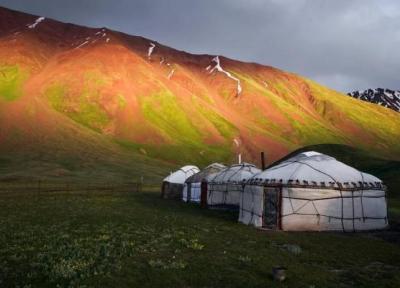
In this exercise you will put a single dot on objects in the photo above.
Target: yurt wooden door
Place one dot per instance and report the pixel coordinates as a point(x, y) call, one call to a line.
point(272, 204)
point(189, 192)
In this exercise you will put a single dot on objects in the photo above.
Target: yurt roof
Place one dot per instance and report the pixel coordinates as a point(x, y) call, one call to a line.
point(236, 173)
point(316, 169)
point(206, 173)
point(180, 175)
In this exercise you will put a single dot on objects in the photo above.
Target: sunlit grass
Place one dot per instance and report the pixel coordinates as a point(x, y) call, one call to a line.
point(11, 80)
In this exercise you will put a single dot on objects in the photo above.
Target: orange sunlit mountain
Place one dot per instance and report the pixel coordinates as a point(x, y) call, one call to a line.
point(78, 96)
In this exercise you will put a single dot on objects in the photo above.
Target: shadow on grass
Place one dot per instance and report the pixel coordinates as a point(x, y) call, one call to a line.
point(153, 200)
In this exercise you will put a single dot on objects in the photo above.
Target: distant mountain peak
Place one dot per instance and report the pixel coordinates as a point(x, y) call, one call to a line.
point(384, 97)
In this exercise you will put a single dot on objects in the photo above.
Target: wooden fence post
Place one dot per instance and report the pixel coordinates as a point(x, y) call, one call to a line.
point(38, 188)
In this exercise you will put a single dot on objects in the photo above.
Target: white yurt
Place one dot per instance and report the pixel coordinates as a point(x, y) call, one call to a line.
point(314, 192)
point(197, 184)
point(172, 185)
point(226, 187)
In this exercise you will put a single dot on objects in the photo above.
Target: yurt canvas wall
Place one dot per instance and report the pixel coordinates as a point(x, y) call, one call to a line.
point(226, 187)
point(193, 185)
point(172, 185)
point(314, 192)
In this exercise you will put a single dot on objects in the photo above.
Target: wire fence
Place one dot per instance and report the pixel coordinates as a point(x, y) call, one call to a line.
point(46, 187)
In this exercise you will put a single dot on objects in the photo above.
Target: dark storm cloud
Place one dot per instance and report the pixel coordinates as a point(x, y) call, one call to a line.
point(344, 44)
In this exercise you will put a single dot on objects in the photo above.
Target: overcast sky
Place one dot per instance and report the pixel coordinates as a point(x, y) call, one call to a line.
point(347, 45)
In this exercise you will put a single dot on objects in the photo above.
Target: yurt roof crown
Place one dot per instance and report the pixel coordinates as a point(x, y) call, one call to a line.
point(236, 173)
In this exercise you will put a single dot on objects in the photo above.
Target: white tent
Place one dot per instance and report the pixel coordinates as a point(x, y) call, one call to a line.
point(314, 192)
point(225, 188)
point(193, 185)
point(173, 184)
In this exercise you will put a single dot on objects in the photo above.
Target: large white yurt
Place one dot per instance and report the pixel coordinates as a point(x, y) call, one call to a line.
point(314, 192)
point(197, 184)
point(172, 185)
point(226, 187)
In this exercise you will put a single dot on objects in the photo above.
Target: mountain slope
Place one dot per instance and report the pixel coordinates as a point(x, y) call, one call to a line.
point(384, 97)
point(63, 84)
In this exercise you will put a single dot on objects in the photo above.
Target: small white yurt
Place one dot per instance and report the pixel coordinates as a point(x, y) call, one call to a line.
point(314, 192)
point(225, 188)
point(172, 185)
point(197, 184)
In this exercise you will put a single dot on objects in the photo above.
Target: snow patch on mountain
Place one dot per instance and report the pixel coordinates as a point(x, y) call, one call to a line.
point(171, 73)
point(37, 21)
point(150, 51)
point(83, 44)
point(384, 97)
point(101, 34)
point(219, 68)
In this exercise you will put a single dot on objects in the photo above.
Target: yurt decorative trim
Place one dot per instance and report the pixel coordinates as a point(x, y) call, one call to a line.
point(313, 191)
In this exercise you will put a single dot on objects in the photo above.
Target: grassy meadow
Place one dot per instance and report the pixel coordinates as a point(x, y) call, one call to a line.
point(139, 240)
